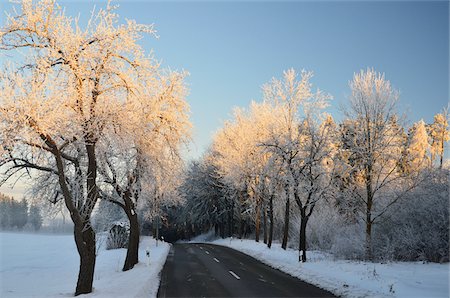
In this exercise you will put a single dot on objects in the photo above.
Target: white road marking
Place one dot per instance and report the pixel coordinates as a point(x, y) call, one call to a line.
point(201, 248)
point(207, 252)
point(234, 274)
point(216, 260)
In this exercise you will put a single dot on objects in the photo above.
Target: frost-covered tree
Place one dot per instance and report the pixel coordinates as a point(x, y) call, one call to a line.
point(298, 105)
point(242, 161)
point(316, 182)
point(439, 136)
point(373, 149)
point(418, 146)
point(133, 153)
point(61, 99)
point(206, 204)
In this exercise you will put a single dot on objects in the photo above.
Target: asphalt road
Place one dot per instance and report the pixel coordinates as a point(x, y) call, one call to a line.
point(205, 270)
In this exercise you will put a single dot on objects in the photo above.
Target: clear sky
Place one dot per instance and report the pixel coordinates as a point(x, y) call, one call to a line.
point(231, 48)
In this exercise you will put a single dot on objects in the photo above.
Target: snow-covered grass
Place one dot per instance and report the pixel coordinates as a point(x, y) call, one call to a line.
point(352, 278)
point(37, 265)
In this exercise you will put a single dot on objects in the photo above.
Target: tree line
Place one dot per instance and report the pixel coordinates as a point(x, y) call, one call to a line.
point(284, 159)
point(19, 214)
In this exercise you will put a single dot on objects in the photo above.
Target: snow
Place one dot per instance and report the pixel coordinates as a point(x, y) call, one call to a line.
point(352, 278)
point(38, 265)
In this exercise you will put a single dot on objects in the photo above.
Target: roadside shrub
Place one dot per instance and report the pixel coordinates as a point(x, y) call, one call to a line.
point(348, 242)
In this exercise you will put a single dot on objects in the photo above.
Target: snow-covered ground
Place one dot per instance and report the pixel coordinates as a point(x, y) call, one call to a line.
point(37, 265)
point(352, 278)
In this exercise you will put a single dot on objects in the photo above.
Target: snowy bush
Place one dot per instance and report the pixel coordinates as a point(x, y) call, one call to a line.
point(419, 229)
point(118, 235)
point(348, 242)
point(323, 226)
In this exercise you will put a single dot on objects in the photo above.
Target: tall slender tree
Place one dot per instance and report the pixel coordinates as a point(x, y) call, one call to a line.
point(439, 135)
point(374, 149)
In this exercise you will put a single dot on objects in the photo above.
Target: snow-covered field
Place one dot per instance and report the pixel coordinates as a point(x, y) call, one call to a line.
point(37, 265)
point(352, 278)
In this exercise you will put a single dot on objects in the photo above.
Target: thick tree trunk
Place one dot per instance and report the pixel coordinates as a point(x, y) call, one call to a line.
point(230, 220)
point(269, 242)
point(84, 234)
point(258, 221)
point(302, 239)
point(286, 223)
point(85, 241)
point(241, 220)
point(132, 257)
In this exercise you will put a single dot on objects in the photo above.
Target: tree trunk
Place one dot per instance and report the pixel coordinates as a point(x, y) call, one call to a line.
point(286, 223)
point(257, 221)
point(265, 224)
point(132, 257)
point(85, 241)
point(302, 239)
point(369, 204)
point(241, 220)
point(84, 234)
point(230, 220)
point(369, 256)
point(269, 242)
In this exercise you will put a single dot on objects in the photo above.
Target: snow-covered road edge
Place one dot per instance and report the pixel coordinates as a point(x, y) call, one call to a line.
point(150, 289)
point(351, 278)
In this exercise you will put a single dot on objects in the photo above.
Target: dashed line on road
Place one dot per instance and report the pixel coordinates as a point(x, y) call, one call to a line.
point(234, 274)
point(207, 252)
point(216, 260)
point(201, 247)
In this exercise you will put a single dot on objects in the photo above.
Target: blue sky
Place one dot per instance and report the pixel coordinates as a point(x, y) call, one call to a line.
point(231, 48)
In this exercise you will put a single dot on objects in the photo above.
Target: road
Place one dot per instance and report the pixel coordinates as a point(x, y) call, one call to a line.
point(205, 270)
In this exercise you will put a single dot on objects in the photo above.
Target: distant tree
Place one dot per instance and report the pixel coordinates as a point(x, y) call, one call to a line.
point(439, 135)
point(21, 215)
point(205, 202)
point(35, 217)
point(5, 212)
point(418, 146)
point(13, 213)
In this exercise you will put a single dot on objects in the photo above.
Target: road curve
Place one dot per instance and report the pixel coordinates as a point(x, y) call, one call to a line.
point(205, 270)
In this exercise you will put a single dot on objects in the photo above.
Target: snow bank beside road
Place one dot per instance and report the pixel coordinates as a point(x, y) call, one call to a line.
point(36, 265)
point(352, 278)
